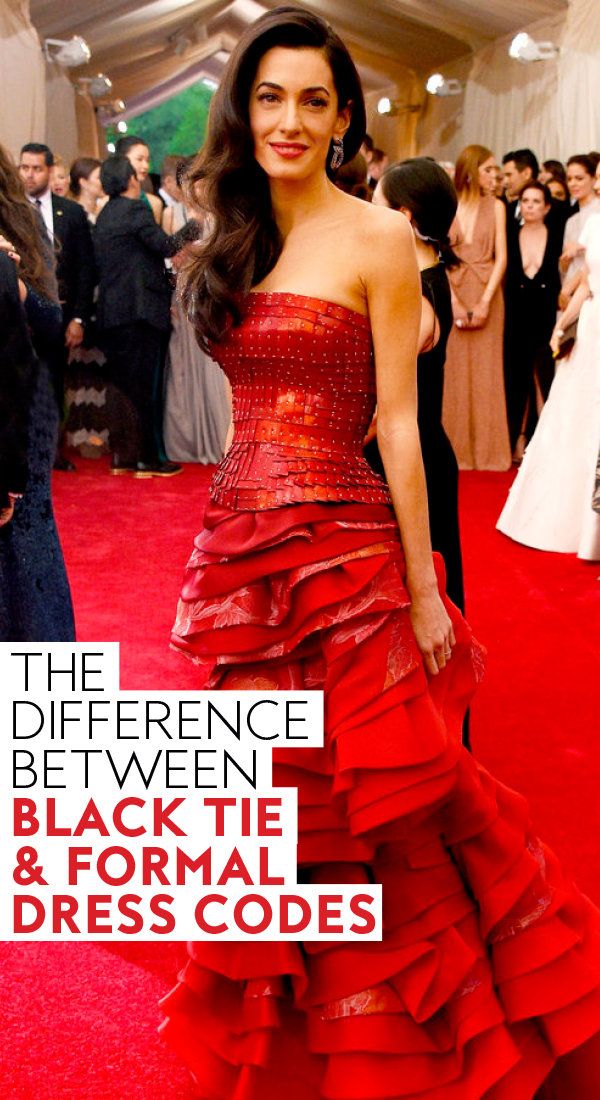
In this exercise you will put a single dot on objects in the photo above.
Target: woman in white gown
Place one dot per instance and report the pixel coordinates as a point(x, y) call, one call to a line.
point(549, 505)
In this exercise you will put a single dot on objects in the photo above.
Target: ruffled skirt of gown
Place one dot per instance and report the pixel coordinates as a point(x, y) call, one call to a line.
point(489, 968)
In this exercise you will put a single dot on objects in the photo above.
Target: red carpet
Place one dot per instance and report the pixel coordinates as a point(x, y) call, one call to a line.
point(78, 1021)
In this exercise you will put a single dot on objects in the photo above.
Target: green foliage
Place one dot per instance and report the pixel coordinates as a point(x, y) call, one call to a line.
point(176, 126)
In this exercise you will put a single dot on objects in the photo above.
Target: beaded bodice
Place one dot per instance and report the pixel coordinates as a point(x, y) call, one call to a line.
point(301, 372)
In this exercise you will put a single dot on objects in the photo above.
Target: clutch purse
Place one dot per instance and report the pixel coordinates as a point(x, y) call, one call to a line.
point(566, 342)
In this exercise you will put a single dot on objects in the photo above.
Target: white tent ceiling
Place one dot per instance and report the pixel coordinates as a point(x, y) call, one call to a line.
point(150, 49)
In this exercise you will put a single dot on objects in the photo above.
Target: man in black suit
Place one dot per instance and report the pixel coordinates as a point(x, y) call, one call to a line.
point(134, 313)
point(67, 228)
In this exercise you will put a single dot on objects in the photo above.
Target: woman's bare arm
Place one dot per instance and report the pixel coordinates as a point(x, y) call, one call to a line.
point(482, 309)
point(394, 299)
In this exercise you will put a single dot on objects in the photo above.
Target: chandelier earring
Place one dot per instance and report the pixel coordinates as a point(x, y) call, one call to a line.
point(337, 157)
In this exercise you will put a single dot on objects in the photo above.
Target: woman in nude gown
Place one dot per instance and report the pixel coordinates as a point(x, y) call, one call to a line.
point(474, 412)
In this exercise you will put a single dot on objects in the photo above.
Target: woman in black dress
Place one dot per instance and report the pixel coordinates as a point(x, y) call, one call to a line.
point(531, 293)
point(35, 601)
point(423, 191)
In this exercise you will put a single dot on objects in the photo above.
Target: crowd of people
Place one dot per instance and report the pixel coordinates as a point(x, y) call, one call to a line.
point(523, 242)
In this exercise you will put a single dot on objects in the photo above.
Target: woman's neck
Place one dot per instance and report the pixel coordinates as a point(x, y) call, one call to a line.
point(427, 255)
point(298, 201)
point(586, 198)
point(88, 202)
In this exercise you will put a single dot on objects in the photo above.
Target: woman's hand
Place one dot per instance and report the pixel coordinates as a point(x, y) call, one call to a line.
point(569, 252)
point(563, 299)
point(371, 430)
point(480, 314)
point(7, 246)
point(555, 339)
point(433, 630)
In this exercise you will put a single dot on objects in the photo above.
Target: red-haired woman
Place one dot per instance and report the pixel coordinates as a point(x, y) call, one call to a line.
point(474, 400)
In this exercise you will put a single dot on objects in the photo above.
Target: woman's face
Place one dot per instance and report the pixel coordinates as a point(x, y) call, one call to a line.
point(533, 206)
point(294, 113)
point(558, 190)
point(59, 180)
point(579, 182)
point(139, 156)
point(487, 176)
point(92, 186)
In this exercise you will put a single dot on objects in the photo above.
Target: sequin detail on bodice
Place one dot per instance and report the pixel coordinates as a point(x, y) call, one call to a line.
point(302, 376)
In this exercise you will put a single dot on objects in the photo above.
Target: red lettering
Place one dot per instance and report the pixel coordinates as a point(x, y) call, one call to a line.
point(200, 918)
point(218, 805)
point(162, 817)
point(265, 879)
point(119, 809)
point(25, 821)
point(154, 862)
point(129, 869)
point(91, 819)
point(157, 908)
point(77, 863)
point(358, 906)
point(20, 924)
point(235, 868)
point(285, 922)
point(267, 814)
point(98, 910)
point(240, 920)
point(328, 913)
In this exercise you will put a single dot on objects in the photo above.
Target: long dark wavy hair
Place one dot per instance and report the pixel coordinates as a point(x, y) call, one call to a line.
point(18, 223)
point(425, 188)
point(244, 242)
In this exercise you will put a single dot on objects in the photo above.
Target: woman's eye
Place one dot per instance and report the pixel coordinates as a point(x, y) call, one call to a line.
point(317, 102)
point(268, 97)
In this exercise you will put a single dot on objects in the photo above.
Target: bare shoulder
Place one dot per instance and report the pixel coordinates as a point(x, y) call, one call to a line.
point(380, 237)
point(500, 210)
point(370, 222)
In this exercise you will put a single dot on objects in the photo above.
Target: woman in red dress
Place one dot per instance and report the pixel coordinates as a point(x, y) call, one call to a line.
point(310, 574)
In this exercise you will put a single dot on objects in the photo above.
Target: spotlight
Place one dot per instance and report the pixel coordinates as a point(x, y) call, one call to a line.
point(180, 43)
point(122, 126)
point(384, 107)
point(524, 48)
point(98, 86)
point(110, 145)
point(443, 86)
point(70, 54)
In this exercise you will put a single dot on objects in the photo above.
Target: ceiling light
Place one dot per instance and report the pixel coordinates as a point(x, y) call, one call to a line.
point(122, 126)
point(391, 107)
point(70, 54)
point(98, 86)
point(181, 43)
point(524, 48)
point(209, 83)
point(443, 85)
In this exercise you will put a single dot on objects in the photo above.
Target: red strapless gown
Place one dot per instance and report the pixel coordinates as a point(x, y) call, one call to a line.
point(489, 969)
